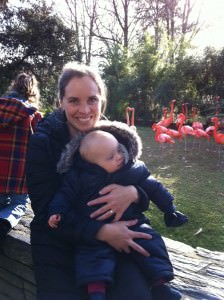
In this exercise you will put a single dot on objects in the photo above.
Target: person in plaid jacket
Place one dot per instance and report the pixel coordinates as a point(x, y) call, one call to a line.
point(18, 120)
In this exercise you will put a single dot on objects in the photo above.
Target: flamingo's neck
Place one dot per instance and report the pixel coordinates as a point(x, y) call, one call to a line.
point(181, 123)
point(215, 128)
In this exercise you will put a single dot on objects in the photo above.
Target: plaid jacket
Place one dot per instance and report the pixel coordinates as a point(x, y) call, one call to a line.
point(17, 121)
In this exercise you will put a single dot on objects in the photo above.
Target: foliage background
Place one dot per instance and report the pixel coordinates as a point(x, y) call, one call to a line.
point(142, 54)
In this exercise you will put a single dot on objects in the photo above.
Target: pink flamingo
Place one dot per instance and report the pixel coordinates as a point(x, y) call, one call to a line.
point(164, 113)
point(217, 104)
point(196, 124)
point(184, 130)
point(184, 113)
point(200, 133)
point(163, 138)
point(174, 133)
point(209, 130)
point(185, 110)
point(162, 129)
point(171, 132)
point(132, 110)
point(168, 121)
point(218, 137)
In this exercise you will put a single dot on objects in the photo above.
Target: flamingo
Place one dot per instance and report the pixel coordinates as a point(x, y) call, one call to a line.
point(171, 132)
point(196, 124)
point(164, 113)
point(163, 138)
point(199, 133)
point(198, 127)
point(185, 110)
point(184, 130)
point(209, 130)
point(155, 127)
point(217, 104)
point(184, 114)
point(218, 137)
point(174, 133)
point(168, 121)
point(132, 123)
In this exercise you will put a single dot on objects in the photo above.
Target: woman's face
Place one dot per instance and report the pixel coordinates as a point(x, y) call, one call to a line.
point(82, 104)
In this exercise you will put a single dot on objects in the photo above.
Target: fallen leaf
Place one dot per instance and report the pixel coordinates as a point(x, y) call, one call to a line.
point(199, 231)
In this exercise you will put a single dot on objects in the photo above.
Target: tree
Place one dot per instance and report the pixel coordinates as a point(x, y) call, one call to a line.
point(117, 73)
point(147, 70)
point(34, 39)
point(103, 25)
point(169, 21)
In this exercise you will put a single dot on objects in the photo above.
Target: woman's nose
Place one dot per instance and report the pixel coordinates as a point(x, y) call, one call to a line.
point(83, 108)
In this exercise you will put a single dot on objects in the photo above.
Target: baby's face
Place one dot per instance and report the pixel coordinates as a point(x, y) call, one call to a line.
point(109, 155)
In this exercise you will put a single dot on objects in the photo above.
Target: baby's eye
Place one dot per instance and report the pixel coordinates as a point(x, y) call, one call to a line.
point(110, 157)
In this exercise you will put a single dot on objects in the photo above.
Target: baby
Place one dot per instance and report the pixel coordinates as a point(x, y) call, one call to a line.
point(102, 160)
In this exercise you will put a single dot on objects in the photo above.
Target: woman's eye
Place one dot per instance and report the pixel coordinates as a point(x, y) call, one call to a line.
point(73, 100)
point(93, 100)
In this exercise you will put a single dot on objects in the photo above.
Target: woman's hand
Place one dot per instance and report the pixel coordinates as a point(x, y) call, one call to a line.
point(117, 199)
point(121, 238)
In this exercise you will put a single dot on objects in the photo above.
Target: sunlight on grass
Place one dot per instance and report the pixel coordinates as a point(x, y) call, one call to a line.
point(195, 178)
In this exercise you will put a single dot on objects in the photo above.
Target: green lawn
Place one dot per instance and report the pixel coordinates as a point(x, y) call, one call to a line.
point(196, 179)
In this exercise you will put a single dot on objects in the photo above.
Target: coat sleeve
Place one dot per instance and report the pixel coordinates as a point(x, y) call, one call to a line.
point(35, 118)
point(43, 182)
point(156, 192)
point(68, 195)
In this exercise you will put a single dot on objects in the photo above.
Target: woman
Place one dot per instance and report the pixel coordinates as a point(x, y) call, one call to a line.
point(83, 99)
point(19, 116)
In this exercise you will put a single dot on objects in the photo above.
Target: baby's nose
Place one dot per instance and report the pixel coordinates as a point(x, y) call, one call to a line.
point(119, 156)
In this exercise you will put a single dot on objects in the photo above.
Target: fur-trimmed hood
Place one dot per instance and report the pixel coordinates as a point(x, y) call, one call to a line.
point(125, 135)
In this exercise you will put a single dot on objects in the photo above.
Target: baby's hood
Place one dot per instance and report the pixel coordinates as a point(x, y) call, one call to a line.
point(125, 135)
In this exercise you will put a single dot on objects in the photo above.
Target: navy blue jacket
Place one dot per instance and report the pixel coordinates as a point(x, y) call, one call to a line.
point(52, 251)
point(82, 184)
point(84, 181)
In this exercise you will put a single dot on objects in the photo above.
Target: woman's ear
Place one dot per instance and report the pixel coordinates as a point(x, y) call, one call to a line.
point(60, 104)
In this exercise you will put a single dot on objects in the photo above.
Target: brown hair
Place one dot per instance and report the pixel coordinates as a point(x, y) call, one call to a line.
point(26, 85)
point(73, 69)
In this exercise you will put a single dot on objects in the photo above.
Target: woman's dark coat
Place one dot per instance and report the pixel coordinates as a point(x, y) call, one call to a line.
point(53, 250)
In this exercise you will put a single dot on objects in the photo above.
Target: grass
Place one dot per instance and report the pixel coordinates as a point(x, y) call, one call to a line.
point(196, 179)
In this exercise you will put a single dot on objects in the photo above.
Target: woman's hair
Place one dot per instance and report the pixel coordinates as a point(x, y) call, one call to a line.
point(73, 69)
point(26, 86)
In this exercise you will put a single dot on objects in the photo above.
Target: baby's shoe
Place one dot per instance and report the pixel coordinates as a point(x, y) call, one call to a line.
point(165, 292)
point(5, 227)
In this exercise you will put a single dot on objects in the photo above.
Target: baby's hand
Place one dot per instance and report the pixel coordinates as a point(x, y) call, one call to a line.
point(54, 221)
